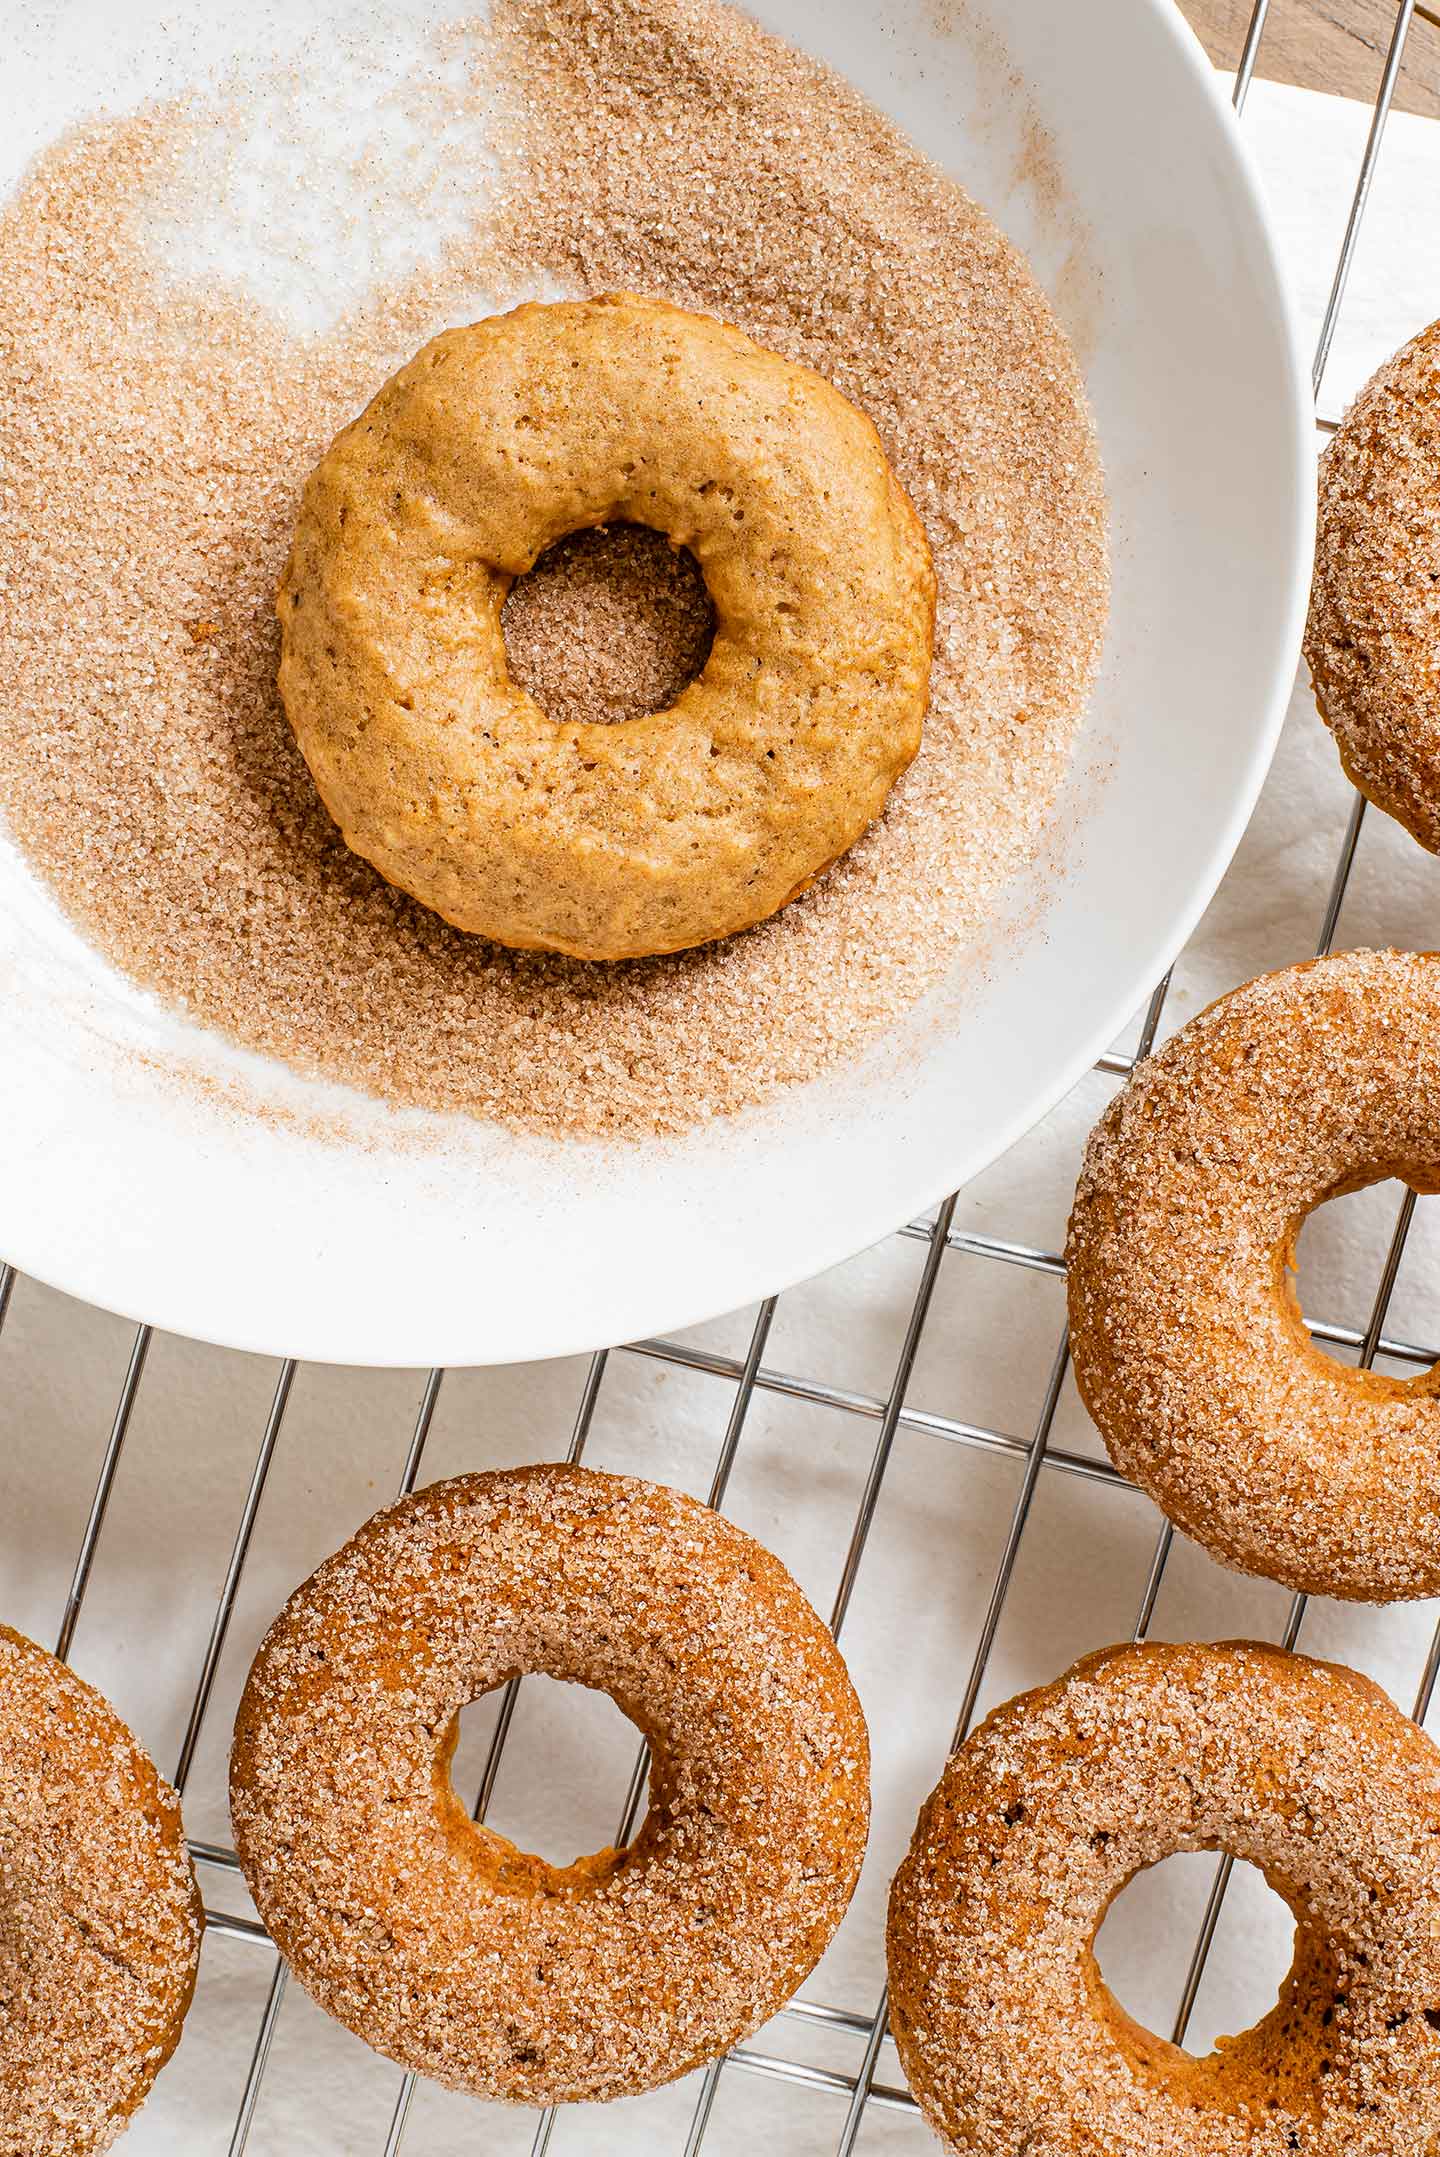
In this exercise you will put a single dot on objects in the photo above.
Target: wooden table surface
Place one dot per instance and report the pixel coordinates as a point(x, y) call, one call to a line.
point(1335, 45)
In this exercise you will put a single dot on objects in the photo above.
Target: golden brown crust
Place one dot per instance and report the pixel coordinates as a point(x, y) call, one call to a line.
point(1189, 1348)
point(1012, 2042)
point(605, 841)
point(1373, 638)
point(436, 1940)
point(99, 1916)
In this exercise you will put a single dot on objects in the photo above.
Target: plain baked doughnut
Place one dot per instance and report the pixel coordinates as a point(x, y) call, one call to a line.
point(1011, 2040)
point(439, 1942)
point(99, 1917)
point(605, 841)
point(1373, 638)
point(1190, 1349)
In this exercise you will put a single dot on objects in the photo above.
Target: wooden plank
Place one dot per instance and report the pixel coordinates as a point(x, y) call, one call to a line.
point(1337, 45)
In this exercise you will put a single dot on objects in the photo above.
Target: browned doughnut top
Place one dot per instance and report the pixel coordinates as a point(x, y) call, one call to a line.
point(1013, 2043)
point(99, 1918)
point(1190, 1350)
point(1373, 639)
point(659, 832)
point(438, 1941)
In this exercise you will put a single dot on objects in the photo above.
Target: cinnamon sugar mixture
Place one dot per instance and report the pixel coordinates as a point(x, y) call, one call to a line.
point(156, 425)
point(608, 625)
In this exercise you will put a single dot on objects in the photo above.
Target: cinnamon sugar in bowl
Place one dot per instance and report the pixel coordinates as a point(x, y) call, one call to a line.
point(257, 1050)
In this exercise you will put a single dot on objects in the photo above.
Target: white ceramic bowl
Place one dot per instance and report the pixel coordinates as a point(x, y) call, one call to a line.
point(402, 1239)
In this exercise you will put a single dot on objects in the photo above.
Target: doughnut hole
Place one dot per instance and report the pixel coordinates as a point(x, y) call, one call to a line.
point(610, 624)
point(1345, 1239)
point(566, 1766)
point(1149, 1932)
point(1286, 2053)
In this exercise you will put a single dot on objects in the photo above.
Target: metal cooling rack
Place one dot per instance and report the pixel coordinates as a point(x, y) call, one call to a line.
point(850, 2094)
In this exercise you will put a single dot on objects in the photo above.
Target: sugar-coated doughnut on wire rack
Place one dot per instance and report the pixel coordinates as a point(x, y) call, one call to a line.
point(820, 2077)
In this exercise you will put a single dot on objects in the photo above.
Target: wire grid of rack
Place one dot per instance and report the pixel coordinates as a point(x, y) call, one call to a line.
point(856, 2092)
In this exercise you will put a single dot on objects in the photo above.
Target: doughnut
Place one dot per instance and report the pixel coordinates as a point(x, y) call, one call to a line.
point(437, 1940)
point(605, 841)
point(1013, 2044)
point(1190, 1350)
point(1373, 638)
point(99, 1917)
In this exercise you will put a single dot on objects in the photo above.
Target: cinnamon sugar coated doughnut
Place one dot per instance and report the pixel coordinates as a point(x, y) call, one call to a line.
point(663, 831)
point(1373, 638)
point(1190, 1349)
point(99, 1917)
point(1013, 2043)
point(435, 1939)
